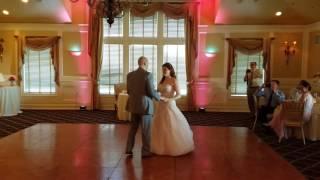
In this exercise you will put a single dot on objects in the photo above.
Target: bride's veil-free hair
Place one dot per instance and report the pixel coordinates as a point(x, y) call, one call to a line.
point(171, 69)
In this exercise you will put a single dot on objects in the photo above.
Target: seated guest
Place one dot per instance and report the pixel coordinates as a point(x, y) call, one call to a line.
point(303, 95)
point(295, 92)
point(273, 97)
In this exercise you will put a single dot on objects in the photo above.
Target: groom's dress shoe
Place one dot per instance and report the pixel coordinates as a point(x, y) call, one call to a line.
point(129, 152)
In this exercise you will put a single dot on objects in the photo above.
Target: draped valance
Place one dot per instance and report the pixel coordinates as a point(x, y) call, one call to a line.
point(39, 43)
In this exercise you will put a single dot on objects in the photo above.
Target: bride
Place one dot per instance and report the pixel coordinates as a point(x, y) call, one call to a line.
point(170, 131)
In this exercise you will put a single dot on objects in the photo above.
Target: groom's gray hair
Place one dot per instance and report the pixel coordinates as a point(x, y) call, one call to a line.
point(142, 61)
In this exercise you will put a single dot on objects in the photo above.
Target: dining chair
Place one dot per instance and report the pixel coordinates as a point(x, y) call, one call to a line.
point(293, 113)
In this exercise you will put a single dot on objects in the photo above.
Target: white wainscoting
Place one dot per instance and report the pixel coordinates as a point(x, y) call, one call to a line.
point(71, 94)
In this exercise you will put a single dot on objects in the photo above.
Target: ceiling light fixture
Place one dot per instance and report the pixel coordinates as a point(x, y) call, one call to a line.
point(5, 12)
point(108, 9)
point(278, 13)
point(25, 1)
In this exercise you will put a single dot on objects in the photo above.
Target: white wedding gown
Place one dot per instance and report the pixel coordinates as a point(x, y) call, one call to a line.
point(170, 133)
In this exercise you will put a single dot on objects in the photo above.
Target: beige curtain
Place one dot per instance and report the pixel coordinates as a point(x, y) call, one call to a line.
point(248, 46)
point(267, 58)
point(39, 43)
point(172, 10)
point(188, 11)
point(95, 51)
point(141, 10)
point(191, 51)
point(20, 56)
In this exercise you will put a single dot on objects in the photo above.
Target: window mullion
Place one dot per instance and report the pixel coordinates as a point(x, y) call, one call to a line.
point(39, 78)
point(50, 75)
point(236, 75)
point(177, 61)
point(109, 69)
point(119, 59)
point(29, 83)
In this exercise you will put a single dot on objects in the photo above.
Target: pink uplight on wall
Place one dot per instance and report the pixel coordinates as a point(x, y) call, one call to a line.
point(221, 17)
point(83, 94)
point(63, 15)
point(201, 94)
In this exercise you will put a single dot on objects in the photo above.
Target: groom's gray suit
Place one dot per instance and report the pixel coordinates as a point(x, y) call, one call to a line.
point(141, 92)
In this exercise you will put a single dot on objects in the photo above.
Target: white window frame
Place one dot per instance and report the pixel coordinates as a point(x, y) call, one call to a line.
point(126, 40)
point(26, 93)
point(259, 66)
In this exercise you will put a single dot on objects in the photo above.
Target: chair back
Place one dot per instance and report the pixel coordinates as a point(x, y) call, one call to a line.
point(293, 111)
point(118, 88)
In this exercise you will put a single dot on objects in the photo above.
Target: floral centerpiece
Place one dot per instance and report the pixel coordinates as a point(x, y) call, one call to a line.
point(12, 79)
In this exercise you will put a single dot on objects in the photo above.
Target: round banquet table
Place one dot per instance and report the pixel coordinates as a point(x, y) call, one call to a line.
point(9, 100)
point(122, 113)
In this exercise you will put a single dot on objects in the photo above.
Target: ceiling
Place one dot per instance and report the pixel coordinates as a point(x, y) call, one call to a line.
point(36, 11)
point(230, 12)
point(262, 12)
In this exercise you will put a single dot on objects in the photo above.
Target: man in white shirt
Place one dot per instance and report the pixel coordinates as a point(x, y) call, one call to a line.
point(253, 78)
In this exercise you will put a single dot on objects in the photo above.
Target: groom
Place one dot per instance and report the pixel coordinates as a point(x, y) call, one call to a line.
point(141, 92)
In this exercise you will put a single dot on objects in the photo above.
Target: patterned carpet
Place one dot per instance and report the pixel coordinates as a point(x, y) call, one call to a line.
point(304, 158)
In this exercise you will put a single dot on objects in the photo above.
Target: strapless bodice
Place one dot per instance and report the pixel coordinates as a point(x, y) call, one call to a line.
point(166, 90)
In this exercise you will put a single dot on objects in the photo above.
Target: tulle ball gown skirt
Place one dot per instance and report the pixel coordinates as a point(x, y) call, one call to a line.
point(170, 134)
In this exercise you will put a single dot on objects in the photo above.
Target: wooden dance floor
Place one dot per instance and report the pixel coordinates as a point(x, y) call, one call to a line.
point(90, 152)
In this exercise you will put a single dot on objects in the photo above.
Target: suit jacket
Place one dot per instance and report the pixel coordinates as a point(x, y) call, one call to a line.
point(141, 92)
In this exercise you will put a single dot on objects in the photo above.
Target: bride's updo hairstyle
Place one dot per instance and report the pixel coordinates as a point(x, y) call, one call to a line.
point(171, 69)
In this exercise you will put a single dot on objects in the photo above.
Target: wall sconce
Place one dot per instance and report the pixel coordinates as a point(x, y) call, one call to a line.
point(1, 49)
point(210, 52)
point(290, 49)
point(75, 53)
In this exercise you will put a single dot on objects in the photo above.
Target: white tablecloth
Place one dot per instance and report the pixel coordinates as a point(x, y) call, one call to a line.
point(121, 107)
point(9, 100)
point(312, 128)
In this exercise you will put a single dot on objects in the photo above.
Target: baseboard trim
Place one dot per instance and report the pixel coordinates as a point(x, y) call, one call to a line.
point(50, 106)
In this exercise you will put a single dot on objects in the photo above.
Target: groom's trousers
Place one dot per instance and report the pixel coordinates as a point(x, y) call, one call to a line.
point(145, 121)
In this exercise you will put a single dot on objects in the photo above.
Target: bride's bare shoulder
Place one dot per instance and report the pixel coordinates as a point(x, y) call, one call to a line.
point(174, 81)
